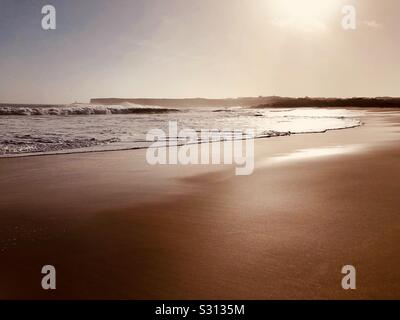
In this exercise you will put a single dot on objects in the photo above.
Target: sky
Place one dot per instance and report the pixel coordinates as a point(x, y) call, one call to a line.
point(197, 48)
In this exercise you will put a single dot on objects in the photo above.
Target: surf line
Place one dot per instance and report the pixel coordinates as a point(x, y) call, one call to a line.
point(187, 147)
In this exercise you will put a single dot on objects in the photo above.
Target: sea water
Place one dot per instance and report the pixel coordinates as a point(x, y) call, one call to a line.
point(32, 129)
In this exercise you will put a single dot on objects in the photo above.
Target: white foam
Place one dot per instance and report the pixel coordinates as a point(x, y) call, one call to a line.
point(118, 129)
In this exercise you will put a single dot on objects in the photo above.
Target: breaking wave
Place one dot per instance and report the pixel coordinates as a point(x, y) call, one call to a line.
point(79, 109)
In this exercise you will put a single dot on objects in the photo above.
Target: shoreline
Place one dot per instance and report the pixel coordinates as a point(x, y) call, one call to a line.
point(71, 151)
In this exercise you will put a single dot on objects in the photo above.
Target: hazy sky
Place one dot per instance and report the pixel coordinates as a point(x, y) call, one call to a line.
point(197, 48)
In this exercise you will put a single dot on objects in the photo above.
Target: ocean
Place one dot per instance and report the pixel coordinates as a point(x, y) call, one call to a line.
point(47, 129)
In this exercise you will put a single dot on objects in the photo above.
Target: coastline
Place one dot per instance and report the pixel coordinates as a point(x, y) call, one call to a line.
point(97, 143)
point(93, 150)
point(117, 228)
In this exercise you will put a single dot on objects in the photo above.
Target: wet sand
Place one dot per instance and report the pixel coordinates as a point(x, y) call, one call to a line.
point(115, 227)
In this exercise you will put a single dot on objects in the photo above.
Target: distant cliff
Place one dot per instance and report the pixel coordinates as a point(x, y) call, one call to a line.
point(190, 102)
point(259, 102)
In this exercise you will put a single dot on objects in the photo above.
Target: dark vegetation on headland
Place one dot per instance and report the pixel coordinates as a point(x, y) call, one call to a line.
point(384, 102)
point(261, 102)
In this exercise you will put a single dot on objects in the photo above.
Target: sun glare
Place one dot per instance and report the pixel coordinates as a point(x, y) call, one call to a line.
point(304, 9)
point(302, 15)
